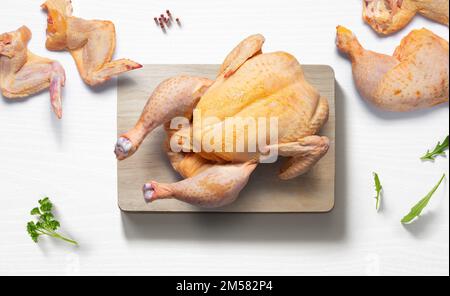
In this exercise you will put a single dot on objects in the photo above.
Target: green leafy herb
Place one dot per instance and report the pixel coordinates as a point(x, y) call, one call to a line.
point(46, 224)
point(439, 150)
point(420, 206)
point(378, 189)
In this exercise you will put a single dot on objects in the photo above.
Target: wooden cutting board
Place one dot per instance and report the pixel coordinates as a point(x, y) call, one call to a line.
point(265, 193)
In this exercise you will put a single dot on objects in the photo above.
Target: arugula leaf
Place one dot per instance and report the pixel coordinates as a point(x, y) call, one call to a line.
point(421, 205)
point(46, 224)
point(379, 189)
point(439, 150)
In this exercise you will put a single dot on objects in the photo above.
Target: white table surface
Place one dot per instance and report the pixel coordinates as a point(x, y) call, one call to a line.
point(72, 162)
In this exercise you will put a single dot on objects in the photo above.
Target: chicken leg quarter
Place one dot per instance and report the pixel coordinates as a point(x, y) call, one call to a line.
point(91, 43)
point(23, 73)
point(415, 77)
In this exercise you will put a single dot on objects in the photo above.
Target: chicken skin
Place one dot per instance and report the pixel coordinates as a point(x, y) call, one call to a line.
point(389, 16)
point(91, 42)
point(23, 73)
point(251, 85)
point(415, 77)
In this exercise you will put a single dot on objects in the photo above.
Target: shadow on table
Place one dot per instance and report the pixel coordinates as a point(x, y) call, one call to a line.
point(254, 227)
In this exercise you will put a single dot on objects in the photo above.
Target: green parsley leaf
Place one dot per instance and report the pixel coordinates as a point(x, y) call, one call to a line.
point(31, 228)
point(45, 205)
point(35, 212)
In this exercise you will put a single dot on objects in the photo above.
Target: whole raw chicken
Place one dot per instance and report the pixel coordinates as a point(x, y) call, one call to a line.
point(91, 43)
point(389, 16)
point(250, 84)
point(415, 77)
point(23, 73)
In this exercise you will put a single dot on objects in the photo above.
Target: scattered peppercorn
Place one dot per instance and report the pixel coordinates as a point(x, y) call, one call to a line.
point(166, 22)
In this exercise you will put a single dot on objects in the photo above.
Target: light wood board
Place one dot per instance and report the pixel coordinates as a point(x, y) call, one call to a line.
point(265, 193)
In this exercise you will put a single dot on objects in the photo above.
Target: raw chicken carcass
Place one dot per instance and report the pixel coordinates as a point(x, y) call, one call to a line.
point(415, 77)
point(250, 85)
point(389, 16)
point(91, 42)
point(23, 73)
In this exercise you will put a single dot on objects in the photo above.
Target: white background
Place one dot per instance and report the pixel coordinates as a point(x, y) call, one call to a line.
point(72, 162)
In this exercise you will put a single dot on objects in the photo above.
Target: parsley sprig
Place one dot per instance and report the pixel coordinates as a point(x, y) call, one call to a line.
point(46, 224)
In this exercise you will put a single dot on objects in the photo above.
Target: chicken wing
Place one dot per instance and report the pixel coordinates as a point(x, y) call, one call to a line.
point(23, 73)
point(415, 77)
point(91, 42)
